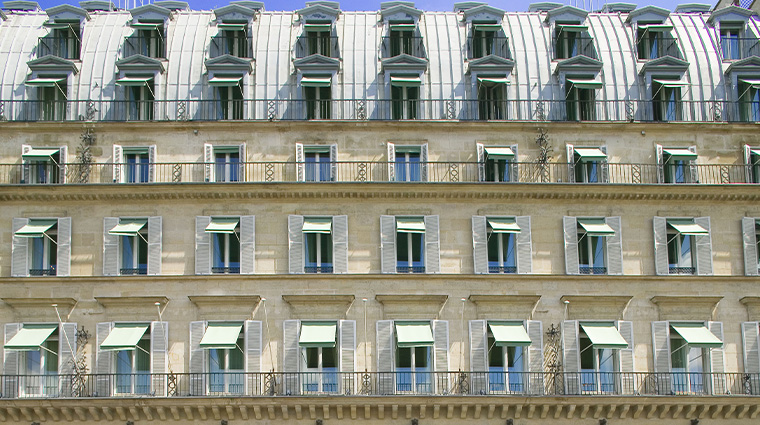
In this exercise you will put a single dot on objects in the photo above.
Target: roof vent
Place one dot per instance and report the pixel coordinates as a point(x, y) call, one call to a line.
point(543, 7)
point(255, 5)
point(693, 8)
point(95, 5)
point(618, 7)
point(173, 5)
point(388, 4)
point(21, 5)
point(462, 6)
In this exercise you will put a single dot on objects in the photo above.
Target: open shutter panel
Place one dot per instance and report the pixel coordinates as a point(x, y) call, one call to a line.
point(604, 167)
point(660, 164)
point(25, 164)
point(155, 236)
point(388, 243)
point(432, 245)
point(481, 153)
point(63, 262)
point(570, 225)
point(118, 164)
point(626, 356)
point(514, 169)
point(391, 162)
point(197, 364)
point(704, 248)
point(242, 156)
point(749, 234)
point(347, 355)
point(295, 244)
point(334, 162)
point(478, 358)
point(747, 163)
point(340, 243)
point(253, 347)
point(110, 247)
point(152, 163)
point(693, 169)
point(615, 247)
point(202, 245)
point(441, 345)
point(208, 159)
point(300, 159)
point(571, 359)
point(291, 356)
point(10, 363)
point(159, 356)
point(717, 362)
point(247, 244)
point(535, 357)
point(661, 352)
point(661, 264)
point(385, 351)
point(524, 246)
point(103, 361)
point(479, 244)
point(751, 347)
point(20, 250)
point(424, 163)
point(67, 350)
point(63, 158)
point(570, 164)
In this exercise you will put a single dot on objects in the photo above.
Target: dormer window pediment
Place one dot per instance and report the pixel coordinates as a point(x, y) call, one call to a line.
point(404, 62)
point(52, 63)
point(491, 64)
point(66, 13)
point(400, 12)
point(317, 62)
point(229, 63)
point(483, 13)
point(648, 14)
point(140, 63)
point(150, 13)
point(173, 5)
point(732, 14)
point(579, 64)
point(319, 12)
point(234, 13)
point(566, 14)
point(667, 64)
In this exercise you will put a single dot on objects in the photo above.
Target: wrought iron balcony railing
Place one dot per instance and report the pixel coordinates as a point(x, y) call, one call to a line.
point(153, 46)
point(240, 46)
point(50, 271)
point(317, 44)
point(502, 269)
point(682, 270)
point(318, 269)
point(592, 270)
point(739, 48)
point(133, 271)
point(225, 270)
point(491, 44)
point(397, 45)
point(398, 383)
point(62, 47)
point(663, 45)
point(566, 47)
point(410, 269)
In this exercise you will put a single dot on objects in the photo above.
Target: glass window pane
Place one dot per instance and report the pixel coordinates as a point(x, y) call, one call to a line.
point(127, 252)
point(234, 247)
point(312, 357)
point(587, 354)
point(402, 248)
point(51, 356)
point(218, 249)
point(597, 244)
point(686, 243)
point(329, 357)
point(421, 358)
point(493, 249)
point(404, 357)
point(678, 352)
point(38, 249)
point(142, 251)
point(236, 357)
point(326, 248)
point(418, 249)
point(310, 244)
point(509, 250)
point(495, 353)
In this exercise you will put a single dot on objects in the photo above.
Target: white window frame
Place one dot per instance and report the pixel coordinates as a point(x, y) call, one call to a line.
point(230, 377)
point(144, 107)
point(678, 238)
point(410, 108)
point(316, 376)
point(595, 385)
point(318, 243)
point(133, 170)
point(505, 375)
point(223, 171)
point(585, 165)
point(226, 241)
point(500, 250)
point(136, 241)
point(39, 383)
point(585, 242)
point(686, 380)
point(317, 175)
point(426, 384)
point(49, 245)
point(406, 153)
point(410, 250)
point(133, 375)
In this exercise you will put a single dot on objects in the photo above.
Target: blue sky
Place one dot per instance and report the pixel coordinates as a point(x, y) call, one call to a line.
point(510, 6)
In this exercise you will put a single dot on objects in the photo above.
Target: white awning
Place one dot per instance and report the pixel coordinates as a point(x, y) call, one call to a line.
point(590, 84)
point(596, 227)
point(604, 335)
point(487, 27)
point(128, 227)
point(410, 225)
point(224, 81)
point(509, 334)
point(503, 225)
point(405, 81)
point(681, 154)
point(591, 153)
point(222, 335)
point(222, 225)
point(493, 80)
point(500, 152)
point(124, 337)
point(697, 335)
point(55, 26)
point(35, 228)
point(316, 81)
point(687, 227)
point(403, 27)
point(45, 81)
point(318, 334)
point(318, 27)
point(40, 153)
point(146, 25)
point(573, 28)
point(656, 27)
point(317, 225)
point(232, 27)
point(755, 84)
point(134, 81)
point(31, 337)
point(671, 83)
point(414, 334)
point(755, 151)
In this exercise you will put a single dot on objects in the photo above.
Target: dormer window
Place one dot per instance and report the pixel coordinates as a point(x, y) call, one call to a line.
point(487, 38)
point(572, 39)
point(232, 39)
point(318, 38)
point(401, 38)
point(654, 41)
point(51, 96)
point(148, 40)
point(63, 41)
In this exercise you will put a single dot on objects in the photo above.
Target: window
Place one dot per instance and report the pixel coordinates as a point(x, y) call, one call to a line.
point(502, 240)
point(751, 238)
point(52, 100)
point(410, 245)
point(749, 99)
point(126, 350)
point(225, 244)
point(318, 38)
point(319, 357)
point(36, 348)
point(752, 164)
point(131, 246)
point(654, 41)
point(693, 351)
point(486, 39)
point(317, 93)
point(598, 357)
point(730, 41)
point(150, 40)
point(134, 164)
point(580, 98)
point(497, 163)
point(43, 253)
point(678, 165)
point(64, 39)
point(572, 40)
point(683, 246)
point(232, 39)
point(588, 164)
point(751, 346)
point(492, 95)
point(229, 100)
point(681, 252)
point(593, 245)
point(405, 96)
point(43, 165)
point(408, 164)
point(41, 247)
point(140, 100)
point(501, 244)
point(318, 244)
point(413, 357)
point(402, 38)
point(224, 163)
point(506, 358)
point(666, 100)
point(316, 163)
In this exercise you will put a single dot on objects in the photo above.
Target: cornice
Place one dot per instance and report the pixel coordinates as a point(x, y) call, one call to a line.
point(132, 302)
point(224, 301)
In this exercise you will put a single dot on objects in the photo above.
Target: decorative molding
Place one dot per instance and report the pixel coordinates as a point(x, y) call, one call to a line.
point(511, 306)
point(601, 307)
point(38, 303)
point(686, 307)
point(41, 309)
point(753, 307)
point(226, 307)
point(411, 306)
point(319, 306)
point(132, 302)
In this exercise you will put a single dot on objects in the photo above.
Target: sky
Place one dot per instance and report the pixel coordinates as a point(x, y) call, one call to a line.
point(437, 5)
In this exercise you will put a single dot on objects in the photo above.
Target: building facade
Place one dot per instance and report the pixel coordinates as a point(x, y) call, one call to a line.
point(395, 216)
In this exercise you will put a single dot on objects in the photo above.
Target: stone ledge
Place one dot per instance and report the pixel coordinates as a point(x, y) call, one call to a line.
point(686, 307)
point(603, 307)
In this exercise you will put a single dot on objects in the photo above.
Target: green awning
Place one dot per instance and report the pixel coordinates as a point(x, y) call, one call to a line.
point(572, 28)
point(222, 225)
point(671, 83)
point(405, 81)
point(224, 81)
point(232, 27)
point(134, 81)
point(410, 225)
point(656, 27)
point(493, 80)
point(414, 334)
point(316, 81)
point(45, 81)
point(755, 84)
point(596, 227)
point(31, 337)
point(687, 227)
point(124, 336)
point(509, 333)
point(403, 27)
point(145, 25)
point(317, 225)
point(318, 334)
point(487, 27)
point(318, 27)
point(128, 227)
point(584, 84)
point(503, 152)
point(222, 335)
point(54, 26)
point(40, 153)
point(503, 225)
point(604, 335)
point(591, 153)
point(755, 151)
point(680, 154)
point(35, 228)
point(697, 335)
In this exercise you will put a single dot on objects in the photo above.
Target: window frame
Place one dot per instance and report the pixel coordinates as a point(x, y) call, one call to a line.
point(501, 379)
point(69, 44)
point(492, 101)
point(139, 248)
point(503, 257)
point(749, 102)
point(318, 102)
point(730, 38)
point(411, 265)
point(586, 249)
point(690, 381)
point(315, 168)
point(53, 102)
point(667, 104)
point(419, 379)
point(135, 159)
point(322, 379)
point(230, 101)
point(405, 102)
point(596, 380)
point(580, 104)
point(130, 379)
point(48, 244)
point(230, 379)
point(675, 242)
point(319, 239)
point(228, 170)
point(45, 381)
point(225, 242)
point(404, 164)
point(140, 101)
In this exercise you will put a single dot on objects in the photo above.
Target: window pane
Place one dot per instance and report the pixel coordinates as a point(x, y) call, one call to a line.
point(404, 357)
point(418, 249)
point(38, 249)
point(509, 250)
point(128, 252)
point(236, 357)
point(218, 249)
point(142, 251)
point(686, 243)
point(673, 249)
point(329, 357)
point(310, 244)
point(678, 352)
point(495, 353)
point(402, 248)
point(583, 249)
point(33, 362)
point(312, 357)
point(515, 358)
point(597, 244)
point(493, 249)
point(326, 242)
point(234, 247)
point(51, 356)
point(124, 361)
point(421, 358)
point(142, 356)
point(587, 354)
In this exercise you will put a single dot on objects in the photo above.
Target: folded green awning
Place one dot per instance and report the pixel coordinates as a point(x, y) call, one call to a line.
point(584, 84)
point(500, 152)
point(128, 227)
point(408, 81)
point(232, 27)
point(318, 27)
point(403, 27)
point(503, 225)
point(222, 225)
point(596, 227)
point(697, 335)
point(410, 225)
point(223, 335)
point(55, 26)
point(146, 25)
point(656, 27)
point(316, 81)
point(487, 27)
point(680, 154)
point(591, 153)
point(493, 80)
point(509, 333)
point(31, 337)
point(40, 153)
point(755, 151)
point(317, 334)
point(604, 335)
point(134, 81)
point(45, 81)
point(317, 225)
point(124, 336)
point(755, 84)
point(671, 83)
point(687, 227)
point(35, 228)
point(414, 334)
point(573, 28)
point(224, 81)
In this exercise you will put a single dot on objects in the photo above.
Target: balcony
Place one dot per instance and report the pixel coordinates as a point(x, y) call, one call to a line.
point(502, 269)
point(663, 45)
point(570, 47)
point(402, 45)
point(496, 44)
point(240, 46)
point(62, 47)
point(739, 48)
point(152, 46)
point(50, 271)
point(318, 44)
point(584, 269)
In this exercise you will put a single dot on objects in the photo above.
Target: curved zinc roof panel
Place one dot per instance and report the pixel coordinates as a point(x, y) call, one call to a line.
point(18, 43)
point(102, 39)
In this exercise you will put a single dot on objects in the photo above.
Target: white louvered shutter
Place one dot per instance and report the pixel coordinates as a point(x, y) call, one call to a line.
point(291, 356)
point(391, 161)
point(660, 164)
point(704, 248)
point(63, 164)
point(479, 244)
point(10, 363)
point(152, 152)
point(481, 154)
point(243, 158)
point(749, 236)
point(626, 357)
point(159, 356)
point(208, 160)
point(441, 345)
point(747, 163)
point(247, 244)
point(119, 176)
point(388, 243)
point(155, 238)
point(571, 359)
point(300, 163)
point(717, 361)
point(67, 349)
point(385, 351)
point(751, 347)
point(253, 347)
point(432, 245)
point(202, 245)
point(197, 363)
point(424, 176)
point(661, 264)
point(604, 167)
point(524, 246)
point(514, 169)
point(478, 357)
point(295, 244)
point(535, 361)
point(103, 361)
point(347, 355)
point(110, 247)
point(693, 169)
point(63, 262)
point(334, 162)
point(340, 243)
point(661, 352)
point(570, 164)
point(19, 250)
point(570, 226)
point(615, 246)
point(25, 172)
